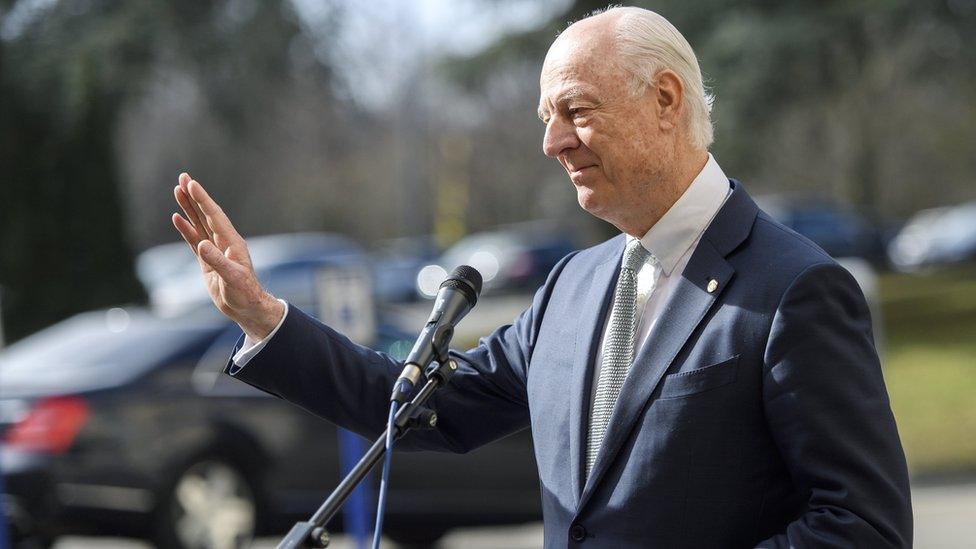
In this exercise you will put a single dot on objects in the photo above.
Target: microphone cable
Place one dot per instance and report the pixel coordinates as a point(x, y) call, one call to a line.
point(385, 478)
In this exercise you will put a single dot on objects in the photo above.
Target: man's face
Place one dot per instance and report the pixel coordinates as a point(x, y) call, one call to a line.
point(606, 138)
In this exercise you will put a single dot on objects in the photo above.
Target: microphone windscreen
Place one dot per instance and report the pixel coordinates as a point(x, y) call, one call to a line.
point(470, 275)
point(466, 280)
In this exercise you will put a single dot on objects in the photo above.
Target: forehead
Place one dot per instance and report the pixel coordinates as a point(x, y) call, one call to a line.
point(574, 56)
point(579, 65)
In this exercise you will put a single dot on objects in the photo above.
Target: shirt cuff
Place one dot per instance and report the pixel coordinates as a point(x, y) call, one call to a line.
point(251, 348)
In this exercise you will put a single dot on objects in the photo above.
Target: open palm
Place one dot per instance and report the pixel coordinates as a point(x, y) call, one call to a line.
point(224, 260)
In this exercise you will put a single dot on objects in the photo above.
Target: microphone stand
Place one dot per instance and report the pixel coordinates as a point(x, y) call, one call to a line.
point(312, 533)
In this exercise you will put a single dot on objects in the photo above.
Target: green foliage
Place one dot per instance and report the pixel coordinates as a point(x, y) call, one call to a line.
point(65, 75)
point(60, 220)
point(858, 100)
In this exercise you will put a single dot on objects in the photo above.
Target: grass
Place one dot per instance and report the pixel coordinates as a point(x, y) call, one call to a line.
point(930, 367)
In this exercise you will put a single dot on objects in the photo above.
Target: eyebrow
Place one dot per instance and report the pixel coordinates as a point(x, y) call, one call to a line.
point(542, 113)
point(564, 96)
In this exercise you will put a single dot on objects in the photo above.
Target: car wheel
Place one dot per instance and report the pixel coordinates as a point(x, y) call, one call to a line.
point(209, 505)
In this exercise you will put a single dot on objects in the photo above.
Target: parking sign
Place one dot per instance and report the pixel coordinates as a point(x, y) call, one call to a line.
point(345, 302)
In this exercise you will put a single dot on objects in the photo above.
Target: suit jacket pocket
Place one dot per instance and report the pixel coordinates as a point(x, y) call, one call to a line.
point(700, 379)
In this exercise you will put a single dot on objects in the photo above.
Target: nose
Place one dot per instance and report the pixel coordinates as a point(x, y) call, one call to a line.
point(560, 135)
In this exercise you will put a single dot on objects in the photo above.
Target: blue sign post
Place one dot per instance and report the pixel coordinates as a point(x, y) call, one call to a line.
point(345, 302)
point(358, 511)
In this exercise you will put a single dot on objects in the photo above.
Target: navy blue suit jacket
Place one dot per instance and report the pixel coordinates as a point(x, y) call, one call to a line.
point(755, 414)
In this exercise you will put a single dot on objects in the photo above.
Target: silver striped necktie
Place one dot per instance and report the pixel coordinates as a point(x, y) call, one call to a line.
point(618, 351)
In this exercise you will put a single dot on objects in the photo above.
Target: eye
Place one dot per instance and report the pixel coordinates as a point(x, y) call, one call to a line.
point(576, 113)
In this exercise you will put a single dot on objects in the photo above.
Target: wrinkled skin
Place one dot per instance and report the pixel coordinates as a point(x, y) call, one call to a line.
point(627, 155)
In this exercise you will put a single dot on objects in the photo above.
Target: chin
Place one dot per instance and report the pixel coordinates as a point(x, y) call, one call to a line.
point(589, 201)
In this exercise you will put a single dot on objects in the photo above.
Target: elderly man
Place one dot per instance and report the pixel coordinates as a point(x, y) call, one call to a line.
point(705, 379)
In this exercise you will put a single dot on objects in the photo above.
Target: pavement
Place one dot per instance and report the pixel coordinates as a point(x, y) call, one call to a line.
point(528, 536)
point(945, 518)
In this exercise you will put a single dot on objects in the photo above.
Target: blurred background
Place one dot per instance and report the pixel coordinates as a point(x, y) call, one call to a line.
point(365, 148)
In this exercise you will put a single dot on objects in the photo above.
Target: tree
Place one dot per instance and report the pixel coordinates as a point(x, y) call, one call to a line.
point(67, 70)
point(858, 100)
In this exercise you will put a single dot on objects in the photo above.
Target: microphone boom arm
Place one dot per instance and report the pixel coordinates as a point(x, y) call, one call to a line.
point(312, 533)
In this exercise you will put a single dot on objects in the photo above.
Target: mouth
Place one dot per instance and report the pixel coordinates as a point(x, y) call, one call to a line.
point(578, 171)
point(577, 175)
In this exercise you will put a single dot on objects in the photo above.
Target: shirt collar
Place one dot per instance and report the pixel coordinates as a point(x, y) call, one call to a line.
point(679, 228)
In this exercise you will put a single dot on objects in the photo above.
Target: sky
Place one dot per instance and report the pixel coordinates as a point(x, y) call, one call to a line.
point(454, 26)
point(380, 42)
point(383, 41)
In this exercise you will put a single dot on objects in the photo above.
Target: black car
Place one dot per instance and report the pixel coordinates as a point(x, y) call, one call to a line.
point(119, 422)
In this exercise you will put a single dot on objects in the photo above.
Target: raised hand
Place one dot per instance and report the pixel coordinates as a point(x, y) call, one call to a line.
point(225, 261)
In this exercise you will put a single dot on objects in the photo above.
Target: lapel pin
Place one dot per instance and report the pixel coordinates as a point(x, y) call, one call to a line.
point(712, 285)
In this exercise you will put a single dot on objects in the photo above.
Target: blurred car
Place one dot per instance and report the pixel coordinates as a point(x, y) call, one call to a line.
point(156, 265)
point(856, 244)
point(120, 422)
point(937, 236)
point(171, 274)
point(396, 263)
point(64, 381)
point(839, 231)
point(516, 258)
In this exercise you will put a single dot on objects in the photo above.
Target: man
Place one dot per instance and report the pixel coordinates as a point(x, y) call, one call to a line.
point(706, 379)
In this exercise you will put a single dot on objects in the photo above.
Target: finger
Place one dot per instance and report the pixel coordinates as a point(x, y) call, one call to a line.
point(231, 272)
point(197, 217)
point(192, 209)
point(186, 203)
point(187, 231)
point(192, 238)
point(212, 214)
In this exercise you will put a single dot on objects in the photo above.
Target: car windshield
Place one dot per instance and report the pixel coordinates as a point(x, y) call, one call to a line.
point(92, 350)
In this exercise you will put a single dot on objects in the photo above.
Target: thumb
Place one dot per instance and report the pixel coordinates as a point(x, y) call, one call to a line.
point(210, 254)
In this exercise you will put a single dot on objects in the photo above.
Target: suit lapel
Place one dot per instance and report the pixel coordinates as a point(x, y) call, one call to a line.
point(689, 304)
point(587, 339)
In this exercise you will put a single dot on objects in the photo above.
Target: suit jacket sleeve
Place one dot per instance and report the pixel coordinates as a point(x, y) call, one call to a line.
point(828, 410)
point(319, 369)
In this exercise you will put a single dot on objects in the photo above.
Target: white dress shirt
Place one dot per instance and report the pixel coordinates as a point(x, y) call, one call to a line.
point(251, 347)
point(671, 241)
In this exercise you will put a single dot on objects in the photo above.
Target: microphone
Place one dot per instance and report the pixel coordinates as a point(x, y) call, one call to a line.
point(457, 295)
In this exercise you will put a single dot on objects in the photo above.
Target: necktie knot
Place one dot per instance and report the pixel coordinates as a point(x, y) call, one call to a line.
point(635, 255)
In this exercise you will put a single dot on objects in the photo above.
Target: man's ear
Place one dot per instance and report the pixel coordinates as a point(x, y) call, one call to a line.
point(669, 94)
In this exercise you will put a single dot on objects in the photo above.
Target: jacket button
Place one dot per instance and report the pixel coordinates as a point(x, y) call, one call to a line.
point(577, 532)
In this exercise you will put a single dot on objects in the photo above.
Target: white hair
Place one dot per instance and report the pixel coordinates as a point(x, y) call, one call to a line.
point(648, 43)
